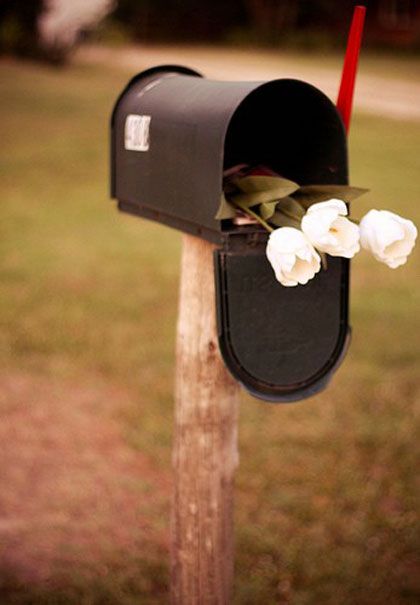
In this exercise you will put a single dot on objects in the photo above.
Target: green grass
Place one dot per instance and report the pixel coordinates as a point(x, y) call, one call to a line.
point(325, 501)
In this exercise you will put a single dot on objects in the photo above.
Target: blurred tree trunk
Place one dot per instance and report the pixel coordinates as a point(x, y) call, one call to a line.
point(18, 26)
point(271, 16)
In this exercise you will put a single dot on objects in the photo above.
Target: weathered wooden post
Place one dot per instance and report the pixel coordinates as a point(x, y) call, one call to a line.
point(205, 442)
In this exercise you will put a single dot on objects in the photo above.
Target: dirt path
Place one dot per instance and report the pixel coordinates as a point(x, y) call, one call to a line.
point(74, 497)
point(390, 97)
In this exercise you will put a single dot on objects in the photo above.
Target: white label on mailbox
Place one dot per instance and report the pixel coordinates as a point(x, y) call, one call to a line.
point(136, 133)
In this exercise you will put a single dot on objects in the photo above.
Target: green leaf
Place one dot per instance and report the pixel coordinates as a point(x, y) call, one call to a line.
point(253, 190)
point(225, 210)
point(313, 194)
point(267, 209)
point(282, 220)
point(288, 205)
point(250, 184)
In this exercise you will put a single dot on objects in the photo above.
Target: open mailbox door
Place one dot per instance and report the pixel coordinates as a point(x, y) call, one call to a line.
point(174, 134)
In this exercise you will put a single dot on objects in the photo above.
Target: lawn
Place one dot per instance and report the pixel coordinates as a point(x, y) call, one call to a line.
point(325, 496)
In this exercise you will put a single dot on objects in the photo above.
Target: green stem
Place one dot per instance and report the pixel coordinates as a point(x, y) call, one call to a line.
point(254, 215)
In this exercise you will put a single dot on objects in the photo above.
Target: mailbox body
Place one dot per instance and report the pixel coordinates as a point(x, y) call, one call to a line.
point(281, 343)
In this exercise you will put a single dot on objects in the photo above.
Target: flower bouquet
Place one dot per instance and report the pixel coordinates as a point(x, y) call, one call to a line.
point(308, 222)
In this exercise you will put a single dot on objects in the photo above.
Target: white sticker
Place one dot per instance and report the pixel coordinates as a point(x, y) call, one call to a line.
point(136, 133)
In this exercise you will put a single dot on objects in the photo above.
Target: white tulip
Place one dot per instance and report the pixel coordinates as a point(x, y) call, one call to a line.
point(292, 256)
point(326, 227)
point(388, 236)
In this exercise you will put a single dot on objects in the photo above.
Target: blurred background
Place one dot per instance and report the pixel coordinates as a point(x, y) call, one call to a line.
point(326, 502)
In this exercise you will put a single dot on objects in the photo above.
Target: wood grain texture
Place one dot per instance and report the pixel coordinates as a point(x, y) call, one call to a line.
point(205, 442)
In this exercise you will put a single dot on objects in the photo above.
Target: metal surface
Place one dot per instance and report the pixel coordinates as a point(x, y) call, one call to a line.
point(281, 343)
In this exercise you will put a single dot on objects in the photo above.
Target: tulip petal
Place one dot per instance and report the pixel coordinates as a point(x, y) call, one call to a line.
point(292, 256)
point(388, 236)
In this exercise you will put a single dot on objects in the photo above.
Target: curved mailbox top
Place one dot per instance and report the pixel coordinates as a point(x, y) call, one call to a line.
point(199, 127)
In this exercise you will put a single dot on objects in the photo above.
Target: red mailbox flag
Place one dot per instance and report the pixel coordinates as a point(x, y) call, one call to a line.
point(348, 77)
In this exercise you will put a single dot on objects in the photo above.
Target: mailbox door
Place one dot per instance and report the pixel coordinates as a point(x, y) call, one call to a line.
point(282, 343)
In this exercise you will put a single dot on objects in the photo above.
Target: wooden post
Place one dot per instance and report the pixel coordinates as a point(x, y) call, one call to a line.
point(205, 442)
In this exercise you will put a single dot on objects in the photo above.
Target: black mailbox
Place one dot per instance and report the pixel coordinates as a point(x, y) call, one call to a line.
point(173, 135)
